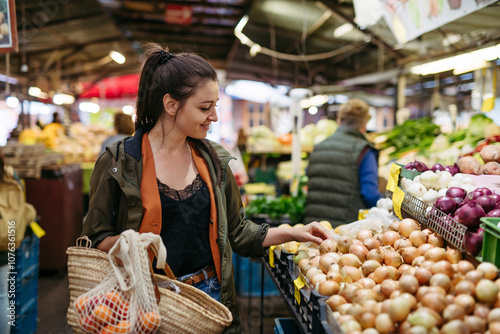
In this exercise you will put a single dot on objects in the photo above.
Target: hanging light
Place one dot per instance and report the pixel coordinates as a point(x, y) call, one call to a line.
point(117, 57)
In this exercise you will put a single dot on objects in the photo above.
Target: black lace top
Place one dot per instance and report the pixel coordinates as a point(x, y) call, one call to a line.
point(185, 226)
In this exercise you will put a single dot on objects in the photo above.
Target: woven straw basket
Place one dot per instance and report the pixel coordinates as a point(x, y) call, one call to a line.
point(190, 311)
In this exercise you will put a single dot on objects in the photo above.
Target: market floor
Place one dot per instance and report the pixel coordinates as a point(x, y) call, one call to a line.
point(53, 299)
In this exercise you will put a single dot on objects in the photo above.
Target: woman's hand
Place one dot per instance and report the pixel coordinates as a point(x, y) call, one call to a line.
point(107, 243)
point(314, 232)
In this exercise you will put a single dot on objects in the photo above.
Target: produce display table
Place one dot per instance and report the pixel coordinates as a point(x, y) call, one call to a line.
point(57, 198)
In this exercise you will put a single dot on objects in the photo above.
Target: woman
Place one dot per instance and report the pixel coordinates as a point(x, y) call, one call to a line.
point(169, 180)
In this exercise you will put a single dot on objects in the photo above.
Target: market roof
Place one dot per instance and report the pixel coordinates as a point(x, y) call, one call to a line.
point(65, 43)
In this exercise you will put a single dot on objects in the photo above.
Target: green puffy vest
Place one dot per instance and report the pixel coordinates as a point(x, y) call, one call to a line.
point(334, 191)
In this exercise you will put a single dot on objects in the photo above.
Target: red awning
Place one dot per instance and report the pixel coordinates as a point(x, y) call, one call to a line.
point(112, 88)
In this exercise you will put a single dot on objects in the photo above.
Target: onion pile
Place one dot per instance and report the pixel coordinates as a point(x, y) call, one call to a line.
point(405, 282)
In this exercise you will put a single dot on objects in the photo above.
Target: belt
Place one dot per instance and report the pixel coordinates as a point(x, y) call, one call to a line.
point(206, 273)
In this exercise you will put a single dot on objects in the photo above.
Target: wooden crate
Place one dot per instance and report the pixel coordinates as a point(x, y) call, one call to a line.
point(20, 150)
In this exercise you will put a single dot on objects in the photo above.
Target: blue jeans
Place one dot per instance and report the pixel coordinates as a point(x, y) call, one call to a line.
point(210, 286)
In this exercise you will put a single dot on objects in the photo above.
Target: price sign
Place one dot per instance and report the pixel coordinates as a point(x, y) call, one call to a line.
point(298, 284)
point(397, 199)
point(392, 183)
point(271, 256)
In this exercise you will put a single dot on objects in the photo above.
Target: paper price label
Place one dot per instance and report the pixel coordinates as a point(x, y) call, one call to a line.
point(271, 256)
point(392, 183)
point(397, 199)
point(39, 232)
point(298, 284)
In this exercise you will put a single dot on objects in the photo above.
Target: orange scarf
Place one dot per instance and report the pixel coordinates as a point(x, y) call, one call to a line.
point(151, 204)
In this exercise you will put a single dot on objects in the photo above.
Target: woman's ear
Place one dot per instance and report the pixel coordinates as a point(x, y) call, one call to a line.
point(170, 104)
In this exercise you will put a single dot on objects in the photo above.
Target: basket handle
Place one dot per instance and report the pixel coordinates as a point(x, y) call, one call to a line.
point(168, 271)
point(84, 242)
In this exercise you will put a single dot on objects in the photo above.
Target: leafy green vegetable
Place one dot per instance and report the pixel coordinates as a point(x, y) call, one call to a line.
point(478, 123)
point(277, 208)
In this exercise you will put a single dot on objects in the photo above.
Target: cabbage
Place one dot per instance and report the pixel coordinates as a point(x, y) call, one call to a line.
point(326, 126)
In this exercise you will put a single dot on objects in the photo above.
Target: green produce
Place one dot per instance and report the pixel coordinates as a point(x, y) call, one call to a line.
point(276, 208)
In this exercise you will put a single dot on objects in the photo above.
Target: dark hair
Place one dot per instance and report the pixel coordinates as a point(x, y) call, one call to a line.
point(123, 124)
point(3, 174)
point(179, 75)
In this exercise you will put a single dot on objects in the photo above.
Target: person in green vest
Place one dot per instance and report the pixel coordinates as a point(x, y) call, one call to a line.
point(343, 170)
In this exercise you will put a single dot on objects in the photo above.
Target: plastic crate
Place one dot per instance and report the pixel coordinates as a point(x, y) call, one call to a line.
point(248, 278)
point(27, 256)
point(285, 326)
point(491, 244)
point(26, 323)
point(26, 292)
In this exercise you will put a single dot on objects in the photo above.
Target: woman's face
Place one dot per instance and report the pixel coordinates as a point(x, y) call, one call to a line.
point(199, 112)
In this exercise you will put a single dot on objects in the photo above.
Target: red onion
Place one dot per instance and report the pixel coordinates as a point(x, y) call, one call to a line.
point(417, 165)
point(496, 198)
point(480, 231)
point(446, 204)
point(473, 243)
point(493, 213)
point(473, 195)
point(470, 213)
point(456, 192)
point(486, 202)
point(459, 201)
point(438, 167)
point(485, 191)
point(452, 169)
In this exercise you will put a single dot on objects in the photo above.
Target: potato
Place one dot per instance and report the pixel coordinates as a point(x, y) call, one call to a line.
point(491, 168)
point(469, 165)
point(490, 153)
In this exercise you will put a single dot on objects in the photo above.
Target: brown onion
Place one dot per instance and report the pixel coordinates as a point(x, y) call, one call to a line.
point(359, 250)
point(389, 286)
point(417, 238)
point(393, 259)
point(481, 311)
point(334, 276)
point(406, 269)
point(389, 238)
point(378, 293)
point(313, 271)
point(369, 305)
point(418, 261)
point(327, 246)
point(335, 301)
point(367, 320)
point(371, 243)
point(421, 292)
point(423, 275)
point(402, 243)
point(475, 324)
point(464, 267)
point(474, 276)
point(443, 267)
point(395, 272)
point(408, 225)
point(408, 283)
point(350, 274)
point(441, 280)
point(348, 290)
point(394, 226)
point(315, 260)
point(486, 291)
point(427, 264)
point(465, 287)
point(375, 254)
point(435, 240)
point(367, 283)
point(453, 255)
point(452, 312)
point(412, 301)
point(409, 254)
point(489, 269)
point(494, 315)
point(384, 324)
point(329, 288)
point(317, 279)
point(435, 254)
point(424, 248)
point(343, 244)
point(454, 327)
point(467, 302)
point(363, 295)
point(349, 260)
point(369, 266)
point(434, 301)
point(494, 327)
point(364, 234)
point(382, 273)
point(325, 261)
point(399, 309)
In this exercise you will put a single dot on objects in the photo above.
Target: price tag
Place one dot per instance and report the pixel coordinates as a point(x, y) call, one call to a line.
point(392, 183)
point(271, 256)
point(298, 284)
point(39, 232)
point(397, 199)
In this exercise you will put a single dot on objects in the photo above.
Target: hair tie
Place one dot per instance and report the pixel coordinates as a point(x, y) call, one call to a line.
point(164, 57)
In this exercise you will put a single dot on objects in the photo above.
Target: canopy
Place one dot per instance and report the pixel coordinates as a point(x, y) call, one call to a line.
point(112, 87)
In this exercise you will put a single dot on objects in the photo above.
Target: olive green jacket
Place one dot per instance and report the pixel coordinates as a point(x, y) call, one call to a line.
point(119, 177)
point(334, 192)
